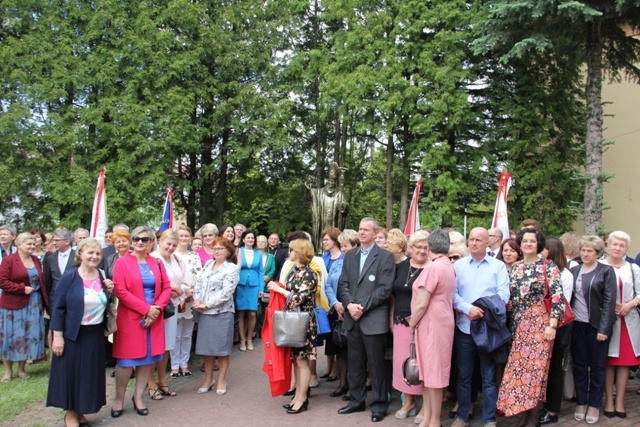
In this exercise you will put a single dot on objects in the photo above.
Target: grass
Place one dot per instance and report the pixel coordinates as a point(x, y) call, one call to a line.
point(17, 394)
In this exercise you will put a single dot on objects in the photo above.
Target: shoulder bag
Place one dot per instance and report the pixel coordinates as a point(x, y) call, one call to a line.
point(290, 327)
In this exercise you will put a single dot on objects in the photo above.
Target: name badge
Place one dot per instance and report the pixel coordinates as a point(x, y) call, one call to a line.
point(372, 278)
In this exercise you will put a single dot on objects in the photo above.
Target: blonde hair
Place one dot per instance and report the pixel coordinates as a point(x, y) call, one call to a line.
point(418, 236)
point(89, 241)
point(23, 237)
point(169, 233)
point(594, 242)
point(620, 235)
point(304, 249)
point(398, 238)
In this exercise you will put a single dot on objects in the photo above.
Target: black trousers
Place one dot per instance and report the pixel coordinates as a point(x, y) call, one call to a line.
point(369, 349)
point(555, 383)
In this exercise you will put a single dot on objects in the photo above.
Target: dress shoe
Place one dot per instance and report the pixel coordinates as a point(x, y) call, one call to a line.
point(351, 409)
point(323, 376)
point(401, 415)
point(302, 408)
point(332, 379)
point(592, 419)
point(346, 397)
point(579, 413)
point(140, 411)
point(207, 389)
point(289, 406)
point(338, 392)
point(116, 413)
point(609, 414)
point(290, 392)
point(546, 418)
point(621, 414)
point(376, 417)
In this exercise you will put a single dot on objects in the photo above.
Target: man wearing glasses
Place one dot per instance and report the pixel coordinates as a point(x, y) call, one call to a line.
point(478, 275)
point(495, 239)
point(58, 262)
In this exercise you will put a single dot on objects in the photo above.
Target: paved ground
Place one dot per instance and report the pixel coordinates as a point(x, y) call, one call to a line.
point(248, 403)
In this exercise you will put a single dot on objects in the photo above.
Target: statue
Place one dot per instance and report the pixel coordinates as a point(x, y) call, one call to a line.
point(328, 205)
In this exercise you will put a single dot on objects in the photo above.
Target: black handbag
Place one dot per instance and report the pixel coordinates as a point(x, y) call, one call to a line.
point(169, 309)
point(410, 369)
point(339, 334)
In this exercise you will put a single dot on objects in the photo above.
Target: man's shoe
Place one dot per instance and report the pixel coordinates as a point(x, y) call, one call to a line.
point(546, 418)
point(376, 417)
point(459, 423)
point(351, 409)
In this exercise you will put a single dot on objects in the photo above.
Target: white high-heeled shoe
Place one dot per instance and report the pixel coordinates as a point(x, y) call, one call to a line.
point(207, 389)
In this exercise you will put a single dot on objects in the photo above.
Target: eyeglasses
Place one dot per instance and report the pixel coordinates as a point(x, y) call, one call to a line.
point(141, 239)
point(420, 248)
point(218, 249)
point(208, 235)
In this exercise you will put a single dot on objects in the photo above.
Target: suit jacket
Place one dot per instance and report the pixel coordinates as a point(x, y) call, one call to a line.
point(130, 340)
point(52, 273)
point(14, 277)
point(106, 253)
point(371, 288)
point(280, 255)
point(67, 309)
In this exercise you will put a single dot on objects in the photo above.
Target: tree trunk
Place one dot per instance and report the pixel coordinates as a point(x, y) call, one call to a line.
point(404, 192)
point(593, 194)
point(389, 189)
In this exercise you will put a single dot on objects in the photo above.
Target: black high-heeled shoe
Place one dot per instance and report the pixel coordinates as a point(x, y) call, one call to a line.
point(116, 413)
point(289, 406)
point(302, 408)
point(339, 392)
point(142, 411)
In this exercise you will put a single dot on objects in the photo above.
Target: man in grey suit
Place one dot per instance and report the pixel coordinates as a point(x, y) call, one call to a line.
point(58, 262)
point(365, 288)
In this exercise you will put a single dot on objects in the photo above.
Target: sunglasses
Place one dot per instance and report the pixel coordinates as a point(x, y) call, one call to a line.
point(141, 239)
point(454, 257)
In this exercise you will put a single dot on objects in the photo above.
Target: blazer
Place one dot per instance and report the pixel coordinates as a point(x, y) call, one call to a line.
point(14, 277)
point(600, 296)
point(371, 288)
point(251, 275)
point(52, 273)
point(130, 340)
point(67, 309)
point(269, 267)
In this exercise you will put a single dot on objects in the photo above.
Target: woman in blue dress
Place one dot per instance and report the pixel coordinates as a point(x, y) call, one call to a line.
point(250, 284)
point(21, 306)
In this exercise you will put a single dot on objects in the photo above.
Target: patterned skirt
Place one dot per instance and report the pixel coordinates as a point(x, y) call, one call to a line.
point(524, 383)
point(22, 331)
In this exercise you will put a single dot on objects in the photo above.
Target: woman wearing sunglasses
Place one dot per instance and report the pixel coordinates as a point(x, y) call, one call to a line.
point(143, 288)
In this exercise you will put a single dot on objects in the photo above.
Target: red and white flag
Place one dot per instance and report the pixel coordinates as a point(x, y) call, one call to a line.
point(413, 216)
point(99, 212)
point(500, 217)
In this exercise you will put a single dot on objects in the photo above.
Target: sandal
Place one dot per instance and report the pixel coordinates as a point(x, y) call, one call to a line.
point(166, 391)
point(186, 373)
point(175, 374)
point(155, 394)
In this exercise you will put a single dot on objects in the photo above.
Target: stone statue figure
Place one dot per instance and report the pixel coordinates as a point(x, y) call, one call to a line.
point(328, 205)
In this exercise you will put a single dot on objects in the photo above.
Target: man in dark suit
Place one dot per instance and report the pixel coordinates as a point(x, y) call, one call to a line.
point(58, 262)
point(364, 287)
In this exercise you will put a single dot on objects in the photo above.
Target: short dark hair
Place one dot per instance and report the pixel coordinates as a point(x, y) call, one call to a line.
point(244, 234)
point(539, 237)
point(332, 232)
point(222, 241)
point(439, 242)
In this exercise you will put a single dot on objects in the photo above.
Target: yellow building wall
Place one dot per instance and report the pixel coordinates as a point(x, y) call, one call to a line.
point(622, 159)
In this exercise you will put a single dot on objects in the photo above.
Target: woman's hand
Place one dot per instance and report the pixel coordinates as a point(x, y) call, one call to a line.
point(274, 287)
point(549, 333)
point(601, 337)
point(198, 305)
point(509, 306)
point(28, 290)
point(153, 313)
point(57, 346)
point(339, 308)
point(108, 283)
point(625, 309)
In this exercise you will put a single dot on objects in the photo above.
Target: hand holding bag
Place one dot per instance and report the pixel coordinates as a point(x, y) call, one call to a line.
point(410, 369)
point(170, 308)
point(290, 327)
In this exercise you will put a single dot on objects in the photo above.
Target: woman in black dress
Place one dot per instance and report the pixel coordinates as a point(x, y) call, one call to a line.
point(77, 380)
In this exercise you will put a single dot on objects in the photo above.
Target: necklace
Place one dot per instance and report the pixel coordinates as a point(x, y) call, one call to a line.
point(411, 273)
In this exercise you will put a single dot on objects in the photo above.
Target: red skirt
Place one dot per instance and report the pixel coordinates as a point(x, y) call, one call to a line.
point(626, 355)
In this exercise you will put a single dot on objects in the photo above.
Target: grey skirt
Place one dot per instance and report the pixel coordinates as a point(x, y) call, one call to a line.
point(215, 334)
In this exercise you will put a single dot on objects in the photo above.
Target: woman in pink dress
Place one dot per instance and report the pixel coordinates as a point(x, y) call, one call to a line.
point(433, 324)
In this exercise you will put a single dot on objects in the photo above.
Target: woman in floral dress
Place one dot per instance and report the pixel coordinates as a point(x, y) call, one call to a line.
point(300, 287)
point(524, 383)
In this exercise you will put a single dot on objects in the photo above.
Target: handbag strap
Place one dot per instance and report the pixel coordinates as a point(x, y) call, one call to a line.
point(412, 346)
point(546, 279)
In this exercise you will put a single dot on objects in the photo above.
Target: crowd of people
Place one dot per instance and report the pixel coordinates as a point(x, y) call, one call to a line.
point(524, 319)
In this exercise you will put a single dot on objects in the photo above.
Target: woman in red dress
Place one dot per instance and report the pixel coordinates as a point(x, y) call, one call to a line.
point(624, 348)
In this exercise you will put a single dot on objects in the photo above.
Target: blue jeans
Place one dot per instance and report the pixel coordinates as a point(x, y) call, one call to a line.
point(589, 364)
point(466, 352)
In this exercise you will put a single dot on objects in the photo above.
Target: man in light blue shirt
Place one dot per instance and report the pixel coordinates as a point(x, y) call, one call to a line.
point(478, 275)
